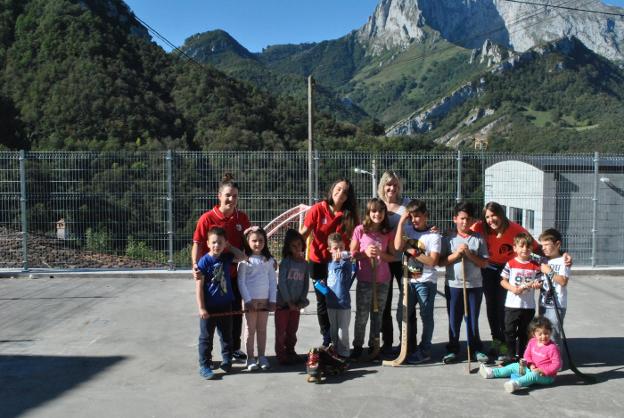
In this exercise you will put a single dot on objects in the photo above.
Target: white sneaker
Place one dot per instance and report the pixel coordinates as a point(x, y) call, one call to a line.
point(251, 364)
point(511, 386)
point(263, 362)
point(485, 371)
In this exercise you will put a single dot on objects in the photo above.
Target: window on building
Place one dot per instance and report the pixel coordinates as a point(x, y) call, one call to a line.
point(530, 219)
point(515, 214)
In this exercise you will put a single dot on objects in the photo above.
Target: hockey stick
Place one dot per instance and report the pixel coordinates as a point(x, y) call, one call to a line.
point(463, 267)
point(585, 378)
point(403, 354)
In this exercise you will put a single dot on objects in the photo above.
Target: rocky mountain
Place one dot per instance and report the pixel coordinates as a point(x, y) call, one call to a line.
point(515, 25)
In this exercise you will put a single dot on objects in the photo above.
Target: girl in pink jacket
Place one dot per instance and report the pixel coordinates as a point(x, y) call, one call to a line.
point(540, 364)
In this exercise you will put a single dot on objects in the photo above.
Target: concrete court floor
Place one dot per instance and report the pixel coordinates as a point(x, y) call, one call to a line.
point(126, 347)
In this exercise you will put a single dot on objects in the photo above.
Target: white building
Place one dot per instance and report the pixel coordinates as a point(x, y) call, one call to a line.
point(541, 193)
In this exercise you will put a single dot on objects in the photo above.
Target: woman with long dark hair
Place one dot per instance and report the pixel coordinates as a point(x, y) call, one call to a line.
point(337, 213)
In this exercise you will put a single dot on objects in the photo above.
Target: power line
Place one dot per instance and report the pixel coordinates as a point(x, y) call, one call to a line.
point(167, 41)
point(576, 9)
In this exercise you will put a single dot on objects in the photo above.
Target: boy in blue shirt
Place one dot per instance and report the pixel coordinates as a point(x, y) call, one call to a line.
point(339, 281)
point(214, 299)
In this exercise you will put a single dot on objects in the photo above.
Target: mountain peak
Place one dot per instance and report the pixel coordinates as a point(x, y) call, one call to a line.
point(517, 26)
point(207, 45)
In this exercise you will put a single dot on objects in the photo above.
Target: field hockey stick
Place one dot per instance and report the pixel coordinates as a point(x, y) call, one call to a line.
point(466, 319)
point(375, 300)
point(234, 313)
point(585, 378)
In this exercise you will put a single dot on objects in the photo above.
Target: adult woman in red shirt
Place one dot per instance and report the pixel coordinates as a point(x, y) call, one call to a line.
point(337, 213)
point(499, 233)
point(226, 215)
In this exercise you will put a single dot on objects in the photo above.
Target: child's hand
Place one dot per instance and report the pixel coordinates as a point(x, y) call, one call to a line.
point(404, 216)
point(463, 249)
point(536, 370)
point(336, 255)
point(546, 269)
point(197, 274)
point(203, 314)
point(536, 284)
point(372, 251)
point(250, 306)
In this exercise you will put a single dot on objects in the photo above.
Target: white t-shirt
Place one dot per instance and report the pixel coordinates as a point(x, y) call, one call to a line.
point(521, 273)
point(432, 242)
point(546, 297)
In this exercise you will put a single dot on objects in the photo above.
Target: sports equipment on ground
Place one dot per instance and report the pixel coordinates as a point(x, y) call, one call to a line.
point(466, 319)
point(322, 362)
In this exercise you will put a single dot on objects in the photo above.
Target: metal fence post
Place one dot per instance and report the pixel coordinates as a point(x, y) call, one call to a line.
point(594, 230)
point(459, 177)
point(23, 213)
point(316, 176)
point(169, 165)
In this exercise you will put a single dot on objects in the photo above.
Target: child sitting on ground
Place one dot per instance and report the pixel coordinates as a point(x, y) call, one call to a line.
point(541, 357)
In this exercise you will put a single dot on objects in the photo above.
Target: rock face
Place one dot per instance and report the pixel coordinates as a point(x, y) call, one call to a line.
point(469, 23)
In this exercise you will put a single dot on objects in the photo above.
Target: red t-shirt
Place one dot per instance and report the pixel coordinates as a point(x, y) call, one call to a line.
point(234, 226)
point(322, 222)
point(501, 249)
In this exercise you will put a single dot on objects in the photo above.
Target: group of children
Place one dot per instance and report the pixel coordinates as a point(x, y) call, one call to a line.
point(373, 245)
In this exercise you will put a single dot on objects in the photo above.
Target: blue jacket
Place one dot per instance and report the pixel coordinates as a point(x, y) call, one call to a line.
point(217, 284)
point(340, 277)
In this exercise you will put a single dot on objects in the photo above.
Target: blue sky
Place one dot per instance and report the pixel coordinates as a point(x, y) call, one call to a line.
point(258, 23)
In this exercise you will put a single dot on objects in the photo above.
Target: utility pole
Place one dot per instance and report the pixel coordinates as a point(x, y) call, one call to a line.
point(310, 160)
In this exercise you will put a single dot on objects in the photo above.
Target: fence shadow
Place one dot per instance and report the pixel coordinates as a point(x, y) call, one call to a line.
point(28, 381)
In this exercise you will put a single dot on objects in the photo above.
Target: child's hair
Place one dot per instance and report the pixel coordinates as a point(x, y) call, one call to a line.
point(466, 207)
point(497, 210)
point(376, 204)
point(539, 322)
point(228, 181)
point(216, 230)
point(349, 210)
point(386, 178)
point(334, 238)
point(523, 238)
point(551, 234)
point(291, 236)
point(417, 205)
point(257, 230)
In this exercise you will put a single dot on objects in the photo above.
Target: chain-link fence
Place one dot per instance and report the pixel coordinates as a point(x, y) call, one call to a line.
point(138, 210)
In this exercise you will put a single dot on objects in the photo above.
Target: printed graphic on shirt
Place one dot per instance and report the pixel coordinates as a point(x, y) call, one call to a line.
point(294, 274)
point(414, 267)
point(218, 277)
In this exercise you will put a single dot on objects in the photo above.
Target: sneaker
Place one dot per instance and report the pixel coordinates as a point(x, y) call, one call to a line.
point(226, 366)
point(503, 360)
point(485, 371)
point(481, 357)
point(449, 358)
point(356, 353)
point(251, 364)
point(263, 362)
point(418, 357)
point(511, 386)
point(206, 373)
point(238, 355)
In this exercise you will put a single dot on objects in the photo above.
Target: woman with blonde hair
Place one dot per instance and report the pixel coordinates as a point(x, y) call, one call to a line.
point(389, 190)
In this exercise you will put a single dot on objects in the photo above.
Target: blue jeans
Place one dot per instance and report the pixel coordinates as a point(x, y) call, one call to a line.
point(423, 294)
point(527, 380)
point(456, 315)
point(222, 322)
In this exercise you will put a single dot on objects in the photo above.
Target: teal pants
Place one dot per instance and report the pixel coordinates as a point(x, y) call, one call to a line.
point(527, 380)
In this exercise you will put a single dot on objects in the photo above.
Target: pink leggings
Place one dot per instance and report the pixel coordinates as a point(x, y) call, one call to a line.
point(256, 324)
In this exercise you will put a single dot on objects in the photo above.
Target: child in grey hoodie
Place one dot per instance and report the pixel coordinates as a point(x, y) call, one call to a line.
point(292, 290)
